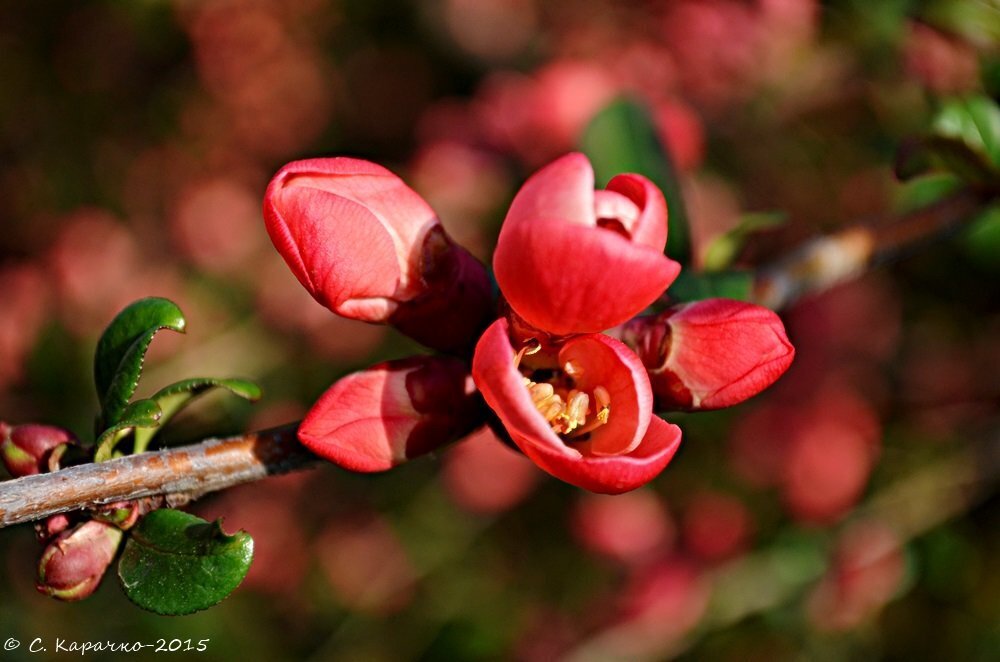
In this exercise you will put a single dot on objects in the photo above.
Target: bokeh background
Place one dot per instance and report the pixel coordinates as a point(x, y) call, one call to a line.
point(845, 514)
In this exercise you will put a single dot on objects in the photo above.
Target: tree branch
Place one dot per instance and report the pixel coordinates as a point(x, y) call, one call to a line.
point(825, 261)
point(187, 472)
point(191, 471)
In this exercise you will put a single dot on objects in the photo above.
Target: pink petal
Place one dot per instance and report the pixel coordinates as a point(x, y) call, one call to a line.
point(386, 415)
point(321, 236)
point(710, 354)
point(650, 228)
point(726, 351)
point(562, 190)
point(609, 363)
point(617, 474)
point(565, 278)
point(405, 215)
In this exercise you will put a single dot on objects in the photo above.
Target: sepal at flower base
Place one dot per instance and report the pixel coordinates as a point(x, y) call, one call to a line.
point(381, 417)
point(72, 565)
point(368, 247)
point(710, 354)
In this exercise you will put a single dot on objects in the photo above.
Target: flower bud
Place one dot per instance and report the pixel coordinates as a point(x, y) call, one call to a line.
point(123, 514)
point(27, 449)
point(390, 413)
point(73, 564)
point(368, 247)
point(52, 526)
point(710, 354)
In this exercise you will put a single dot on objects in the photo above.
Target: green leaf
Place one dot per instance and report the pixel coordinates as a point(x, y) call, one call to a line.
point(943, 153)
point(723, 250)
point(981, 240)
point(122, 349)
point(973, 120)
point(139, 414)
point(693, 286)
point(175, 397)
point(175, 563)
point(621, 138)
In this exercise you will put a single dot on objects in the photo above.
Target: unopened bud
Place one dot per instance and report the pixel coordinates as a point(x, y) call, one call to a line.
point(123, 514)
point(73, 564)
point(390, 413)
point(27, 449)
point(710, 354)
point(52, 526)
point(369, 248)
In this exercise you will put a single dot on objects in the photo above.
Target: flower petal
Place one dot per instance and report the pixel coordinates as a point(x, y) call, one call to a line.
point(386, 415)
point(711, 354)
point(650, 228)
point(565, 278)
point(320, 234)
point(562, 190)
point(404, 214)
point(616, 474)
point(606, 362)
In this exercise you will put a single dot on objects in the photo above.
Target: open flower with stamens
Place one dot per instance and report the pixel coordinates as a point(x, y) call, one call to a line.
point(368, 247)
point(580, 409)
point(570, 259)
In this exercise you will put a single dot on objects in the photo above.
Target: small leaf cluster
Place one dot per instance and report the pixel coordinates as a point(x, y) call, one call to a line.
point(173, 562)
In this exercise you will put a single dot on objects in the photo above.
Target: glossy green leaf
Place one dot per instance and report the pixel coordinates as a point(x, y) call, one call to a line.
point(622, 138)
point(977, 21)
point(721, 253)
point(175, 563)
point(122, 349)
point(964, 139)
point(693, 286)
point(981, 240)
point(943, 153)
point(139, 414)
point(175, 397)
point(973, 120)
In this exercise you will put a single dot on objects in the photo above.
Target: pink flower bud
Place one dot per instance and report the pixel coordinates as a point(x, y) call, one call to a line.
point(390, 413)
point(26, 449)
point(573, 260)
point(73, 564)
point(50, 527)
point(369, 248)
point(710, 354)
point(123, 514)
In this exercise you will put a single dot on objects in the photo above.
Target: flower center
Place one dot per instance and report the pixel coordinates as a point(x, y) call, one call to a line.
point(566, 408)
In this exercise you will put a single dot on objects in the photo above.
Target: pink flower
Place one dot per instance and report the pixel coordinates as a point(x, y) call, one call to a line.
point(572, 260)
point(390, 413)
point(580, 409)
point(710, 354)
point(369, 248)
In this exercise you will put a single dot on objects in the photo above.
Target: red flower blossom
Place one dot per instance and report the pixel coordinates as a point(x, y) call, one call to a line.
point(324, 214)
point(561, 240)
point(390, 413)
point(581, 410)
point(710, 354)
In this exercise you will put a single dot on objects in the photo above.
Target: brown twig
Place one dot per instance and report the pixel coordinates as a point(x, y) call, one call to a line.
point(188, 472)
point(213, 465)
point(826, 261)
